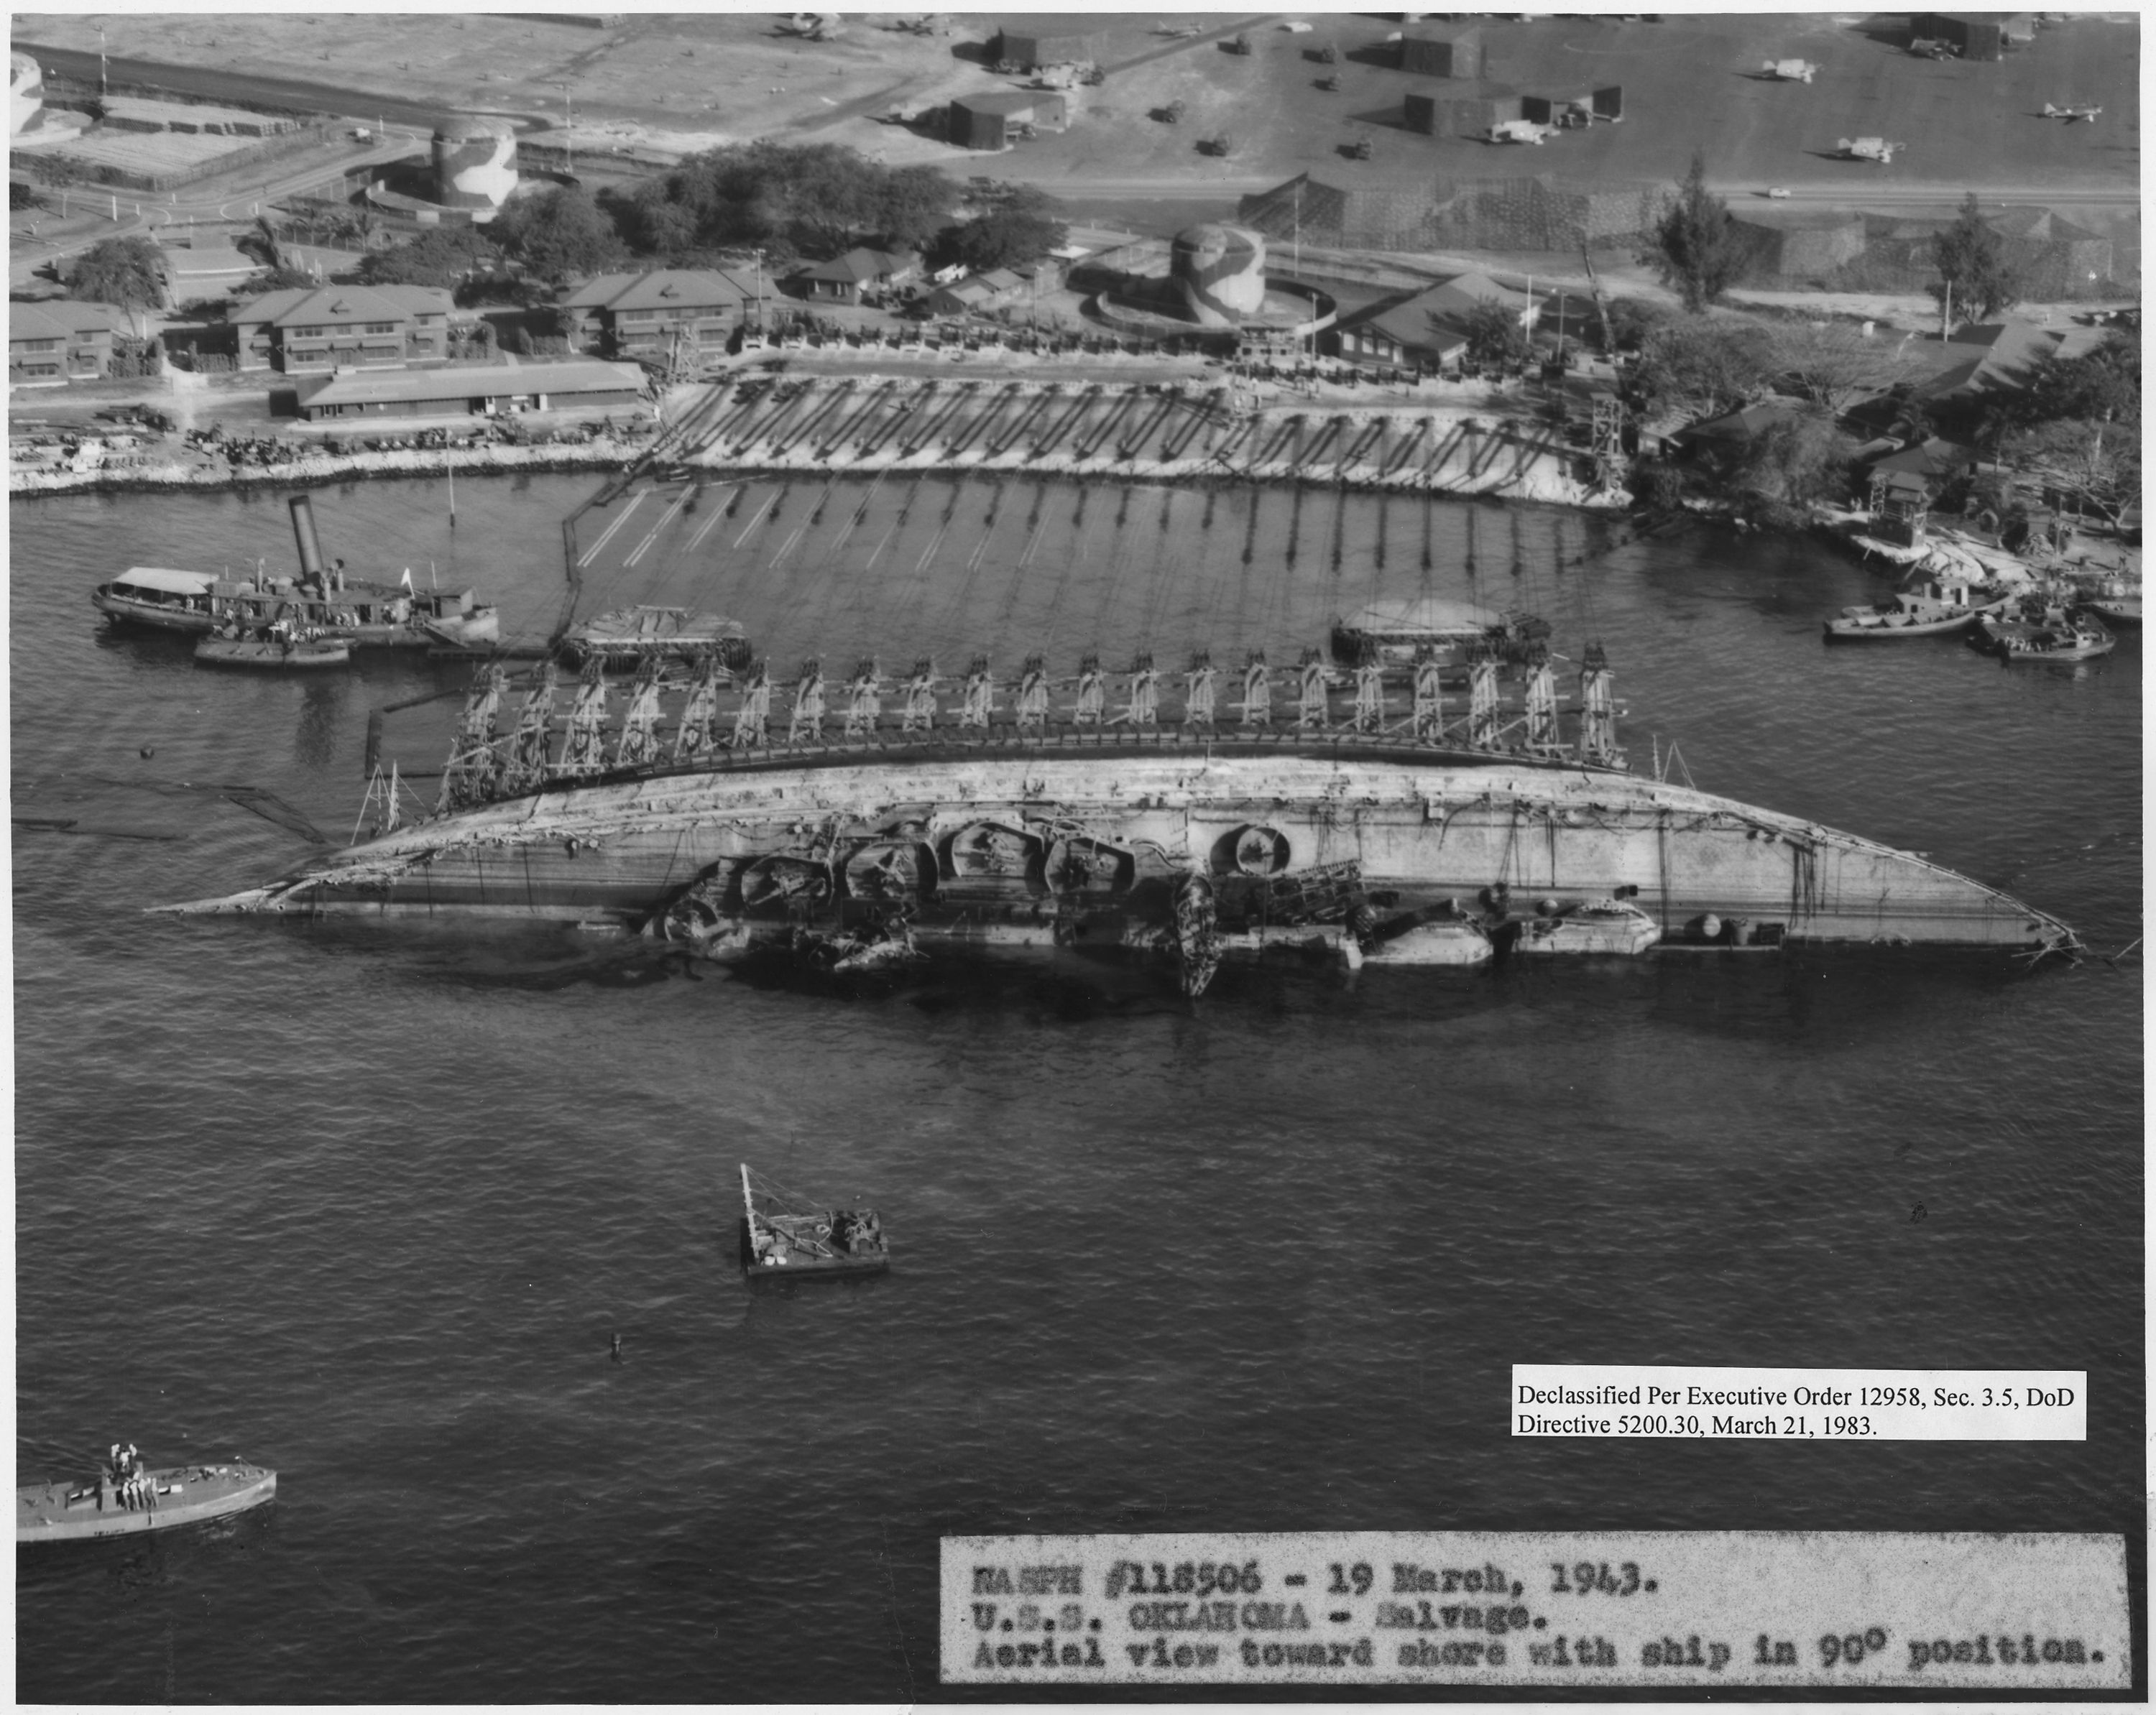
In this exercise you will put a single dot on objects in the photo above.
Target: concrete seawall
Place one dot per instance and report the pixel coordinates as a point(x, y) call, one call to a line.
point(872, 423)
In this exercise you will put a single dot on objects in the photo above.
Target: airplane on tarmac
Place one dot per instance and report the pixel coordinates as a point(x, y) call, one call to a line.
point(1876, 149)
point(2070, 114)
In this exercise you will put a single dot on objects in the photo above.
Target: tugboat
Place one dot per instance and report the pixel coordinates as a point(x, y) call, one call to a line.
point(322, 599)
point(779, 1241)
point(1941, 608)
point(125, 1499)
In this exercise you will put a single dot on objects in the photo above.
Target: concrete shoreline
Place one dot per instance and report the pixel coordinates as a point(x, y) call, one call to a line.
point(872, 424)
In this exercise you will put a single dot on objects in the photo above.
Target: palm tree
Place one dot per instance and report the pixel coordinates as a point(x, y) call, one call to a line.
point(128, 273)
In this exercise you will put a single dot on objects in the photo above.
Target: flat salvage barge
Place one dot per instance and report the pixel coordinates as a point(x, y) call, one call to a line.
point(177, 1495)
point(1188, 846)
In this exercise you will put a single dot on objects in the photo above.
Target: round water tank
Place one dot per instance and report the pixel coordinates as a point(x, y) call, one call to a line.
point(474, 162)
point(26, 92)
point(1222, 271)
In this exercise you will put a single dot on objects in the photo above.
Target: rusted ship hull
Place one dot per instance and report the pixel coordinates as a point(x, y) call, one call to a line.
point(1346, 842)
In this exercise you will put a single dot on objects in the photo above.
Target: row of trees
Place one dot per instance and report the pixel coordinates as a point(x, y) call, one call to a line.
point(1702, 252)
point(789, 201)
point(813, 199)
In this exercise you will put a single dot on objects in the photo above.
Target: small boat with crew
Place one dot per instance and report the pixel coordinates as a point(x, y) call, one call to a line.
point(285, 653)
point(628, 636)
point(784, 1238)
point(126, 1498)
point(2042, 632)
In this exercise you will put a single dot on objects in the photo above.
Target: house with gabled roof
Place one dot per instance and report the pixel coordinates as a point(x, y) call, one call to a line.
point(1988, 360)
point(61, 340)
point(642, 314)
point(1429, 331)
point(311, 329)
point(844, 279)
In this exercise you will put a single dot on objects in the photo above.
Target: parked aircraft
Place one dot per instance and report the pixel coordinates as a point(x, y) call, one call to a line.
point(2070, 114)
point(1876, 149)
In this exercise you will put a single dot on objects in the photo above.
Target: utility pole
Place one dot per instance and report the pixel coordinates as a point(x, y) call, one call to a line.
point(568, 124)
point(100, 63)
point(1946, 309)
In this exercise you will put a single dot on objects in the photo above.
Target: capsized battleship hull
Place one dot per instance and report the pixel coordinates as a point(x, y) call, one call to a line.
point(1088, 841)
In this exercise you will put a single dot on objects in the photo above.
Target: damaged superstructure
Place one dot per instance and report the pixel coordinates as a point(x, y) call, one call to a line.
point(1417, 813)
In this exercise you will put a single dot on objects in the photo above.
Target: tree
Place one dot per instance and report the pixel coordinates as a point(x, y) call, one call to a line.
point(439, 258)
point(916, 201)
point(1703, 367)
point(1631, 320)
point(1801, 457)
point(275, 279)
point(818, 198)
point(262, 243)
point(1834, 366)
point(560, 232)
point(1010, 223)
point(2100, 462)
point(1698, 247)
point(1494, 333)
point(127, 271)
point(2103, 386)
point(1972, 263)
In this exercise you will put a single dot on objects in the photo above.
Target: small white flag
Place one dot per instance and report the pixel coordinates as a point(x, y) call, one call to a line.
point(406, 580)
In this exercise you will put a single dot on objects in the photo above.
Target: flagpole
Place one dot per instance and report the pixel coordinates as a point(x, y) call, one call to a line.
point(453, 497)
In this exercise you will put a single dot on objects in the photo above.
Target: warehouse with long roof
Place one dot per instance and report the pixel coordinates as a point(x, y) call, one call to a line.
point(1043, 38)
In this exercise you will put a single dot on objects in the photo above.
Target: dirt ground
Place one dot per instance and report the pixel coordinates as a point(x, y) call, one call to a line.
point(1690, 82)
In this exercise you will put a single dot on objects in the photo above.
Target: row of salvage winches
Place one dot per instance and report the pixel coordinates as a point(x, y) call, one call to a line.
point(1437, 699)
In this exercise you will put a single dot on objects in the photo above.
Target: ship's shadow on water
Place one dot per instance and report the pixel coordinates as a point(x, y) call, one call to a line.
point(130, 1566)
point(1795, 993)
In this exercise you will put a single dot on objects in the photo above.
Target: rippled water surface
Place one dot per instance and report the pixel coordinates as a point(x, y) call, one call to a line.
point(366, 1205)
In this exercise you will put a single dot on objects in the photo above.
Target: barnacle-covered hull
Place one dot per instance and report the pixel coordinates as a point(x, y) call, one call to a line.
point(1366, 847)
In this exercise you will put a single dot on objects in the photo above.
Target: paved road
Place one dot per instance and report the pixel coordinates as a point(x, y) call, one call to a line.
point(139, 214)
point(241, 89)
point(1855, 194)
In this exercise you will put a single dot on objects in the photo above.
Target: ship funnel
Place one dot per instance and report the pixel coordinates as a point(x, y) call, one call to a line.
point(303, 533)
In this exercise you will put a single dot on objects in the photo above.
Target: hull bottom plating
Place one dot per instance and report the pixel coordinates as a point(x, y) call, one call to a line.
point(1405, 862)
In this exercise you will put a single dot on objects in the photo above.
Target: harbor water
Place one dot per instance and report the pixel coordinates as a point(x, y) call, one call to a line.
point(367, 1203)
